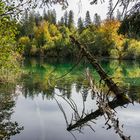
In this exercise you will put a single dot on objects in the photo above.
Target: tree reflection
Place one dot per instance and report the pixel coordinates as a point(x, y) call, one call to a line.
point(44, 79)
point(125, 72)
point(127, 75)
point(39, 79)
point(8, 128)
point(106, 105)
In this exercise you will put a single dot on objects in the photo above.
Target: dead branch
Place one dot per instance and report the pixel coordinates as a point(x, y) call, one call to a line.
point(103, 75)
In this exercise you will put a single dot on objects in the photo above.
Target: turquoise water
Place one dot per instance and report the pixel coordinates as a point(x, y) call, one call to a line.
point(44, 99)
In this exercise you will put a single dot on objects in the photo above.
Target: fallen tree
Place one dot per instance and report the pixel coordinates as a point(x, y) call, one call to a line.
point(103, 75)
point(106, 108)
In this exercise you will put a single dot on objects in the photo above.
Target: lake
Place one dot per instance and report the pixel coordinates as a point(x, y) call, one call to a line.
point(53, 101)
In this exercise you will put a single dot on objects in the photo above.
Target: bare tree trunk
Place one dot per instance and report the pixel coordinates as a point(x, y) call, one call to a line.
point(91, 58)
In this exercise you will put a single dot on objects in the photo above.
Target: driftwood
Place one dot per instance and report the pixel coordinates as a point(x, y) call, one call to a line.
point(103, 75)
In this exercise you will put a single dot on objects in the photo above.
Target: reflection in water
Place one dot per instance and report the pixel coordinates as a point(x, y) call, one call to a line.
point(106, 108)
point(7, 103)
point(38, 77)
point(39, 83)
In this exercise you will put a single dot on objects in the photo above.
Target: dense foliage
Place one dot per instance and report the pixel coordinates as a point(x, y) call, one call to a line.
point(9, 66)
point(130, 26)
point(42, 36)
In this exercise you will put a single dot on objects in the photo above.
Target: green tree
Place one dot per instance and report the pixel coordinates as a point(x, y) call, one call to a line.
point(24, 24)
point(87, 19)
point(53, 16)
point(42, 35)
point(9, 66)
point(66, 18)
point(88, 37)
point(61, 22)
point(97, 19)
point(38, 18)
point(131, 26)
point(26, 27)
point(71, 19)
point(24, 44)
point(31, 24)
point(45, 16)
point(80, 25)
point(50, 16)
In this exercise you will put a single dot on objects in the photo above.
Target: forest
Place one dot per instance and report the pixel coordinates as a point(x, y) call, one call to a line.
point(44, 36)
point(36, 35)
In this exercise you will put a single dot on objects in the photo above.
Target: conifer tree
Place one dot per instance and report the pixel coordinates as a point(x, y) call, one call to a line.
point(31, 24)
point(71, 19)
point(38, 18)
point(80, 25)
point(61, 22)
point(66, 18)
point(53, 14)
point(25, 22)
point(87, 19)
point(45, 14)
point(49, 16)
point(97, 19)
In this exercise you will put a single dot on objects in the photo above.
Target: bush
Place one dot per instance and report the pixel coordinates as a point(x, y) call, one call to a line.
point(24, 45)
point(133, 51)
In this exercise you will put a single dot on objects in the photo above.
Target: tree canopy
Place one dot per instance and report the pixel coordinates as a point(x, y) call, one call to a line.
point(130, 25)
point(130, 7)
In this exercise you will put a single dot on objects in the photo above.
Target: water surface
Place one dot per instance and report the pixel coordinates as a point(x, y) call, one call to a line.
point(40, 112)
